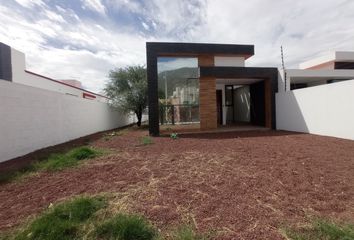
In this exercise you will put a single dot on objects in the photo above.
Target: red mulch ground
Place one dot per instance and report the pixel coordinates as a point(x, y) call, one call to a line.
point(244, 185)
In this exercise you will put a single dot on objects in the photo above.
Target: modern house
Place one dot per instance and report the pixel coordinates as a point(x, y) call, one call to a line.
point(208, 84)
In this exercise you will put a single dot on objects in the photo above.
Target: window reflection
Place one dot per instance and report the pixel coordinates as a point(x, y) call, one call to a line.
point(178, 87)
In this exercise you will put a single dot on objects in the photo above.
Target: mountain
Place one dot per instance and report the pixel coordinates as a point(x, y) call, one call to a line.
point(180, 77)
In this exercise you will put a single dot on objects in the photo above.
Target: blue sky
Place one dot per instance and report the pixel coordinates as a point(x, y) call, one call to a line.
point(84, 39)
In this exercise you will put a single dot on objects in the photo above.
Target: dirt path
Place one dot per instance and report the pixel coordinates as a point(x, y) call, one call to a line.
point(244, 186)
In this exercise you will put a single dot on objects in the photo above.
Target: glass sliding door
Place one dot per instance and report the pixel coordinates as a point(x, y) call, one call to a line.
point(178, 87)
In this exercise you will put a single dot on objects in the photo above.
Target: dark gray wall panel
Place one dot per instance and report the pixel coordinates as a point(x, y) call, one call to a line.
point(162, 48)
point(5, 62)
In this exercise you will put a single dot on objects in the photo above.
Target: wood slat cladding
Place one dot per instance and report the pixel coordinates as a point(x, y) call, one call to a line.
point(207, 96)
point(206, 60)
point(207, 103)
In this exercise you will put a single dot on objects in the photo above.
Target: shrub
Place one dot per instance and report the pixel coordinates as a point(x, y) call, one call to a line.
point(126, 227)
point(62, 221)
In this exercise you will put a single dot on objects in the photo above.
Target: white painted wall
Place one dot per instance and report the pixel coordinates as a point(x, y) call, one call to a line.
point(18, 63)
point(229, 61)
point(34, 118)
point(325, 110)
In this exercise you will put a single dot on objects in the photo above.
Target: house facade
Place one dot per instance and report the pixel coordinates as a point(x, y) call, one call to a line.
point(208, 84)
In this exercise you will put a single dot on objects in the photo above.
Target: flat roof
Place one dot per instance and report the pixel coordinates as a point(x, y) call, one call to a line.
point(63, 83)
point(195, 49)
point(307, 75)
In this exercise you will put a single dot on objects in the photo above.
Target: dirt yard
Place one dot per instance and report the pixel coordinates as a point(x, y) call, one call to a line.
point(243, 185)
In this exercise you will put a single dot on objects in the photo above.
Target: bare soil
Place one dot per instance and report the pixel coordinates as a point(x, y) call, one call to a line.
point(244, 185)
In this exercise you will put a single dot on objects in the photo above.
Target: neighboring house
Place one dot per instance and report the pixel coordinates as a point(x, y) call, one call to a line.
point(209, 84)
point(333, 67)
point(13, 66)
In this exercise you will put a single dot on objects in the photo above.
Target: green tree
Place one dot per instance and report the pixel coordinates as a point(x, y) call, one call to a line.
point(127, 89)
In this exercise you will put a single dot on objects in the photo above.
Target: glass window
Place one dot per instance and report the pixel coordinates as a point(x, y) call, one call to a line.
point(178, 87)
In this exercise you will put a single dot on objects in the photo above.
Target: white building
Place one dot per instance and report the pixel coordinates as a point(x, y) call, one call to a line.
point(318, 98)
point(330, 68)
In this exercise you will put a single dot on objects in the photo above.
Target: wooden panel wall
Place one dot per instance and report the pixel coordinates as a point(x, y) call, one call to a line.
point(206, 60)
point(207, 96)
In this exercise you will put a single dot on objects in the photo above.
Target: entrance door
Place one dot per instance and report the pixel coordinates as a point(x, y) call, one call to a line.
point(219, 106)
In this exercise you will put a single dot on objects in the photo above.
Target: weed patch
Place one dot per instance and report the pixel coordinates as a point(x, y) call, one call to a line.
point(54, 162)
point(126, 227)
point(81, 218)
point(174, 136)
point(187, 233)
point(110, 135)
point(82, 153)
point(57, 162)
point(321, 230)
point(146, 140)
point(62, 221)
point(11, 175)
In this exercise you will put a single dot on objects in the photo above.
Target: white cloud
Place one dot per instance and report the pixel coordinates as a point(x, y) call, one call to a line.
point(145, 25)
point(304, 28)
point(54, 16)
point(178, 18)
point(89, 50)
point(128, 5)
point(62, 43)
point(94, 5)
point(30, 3)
